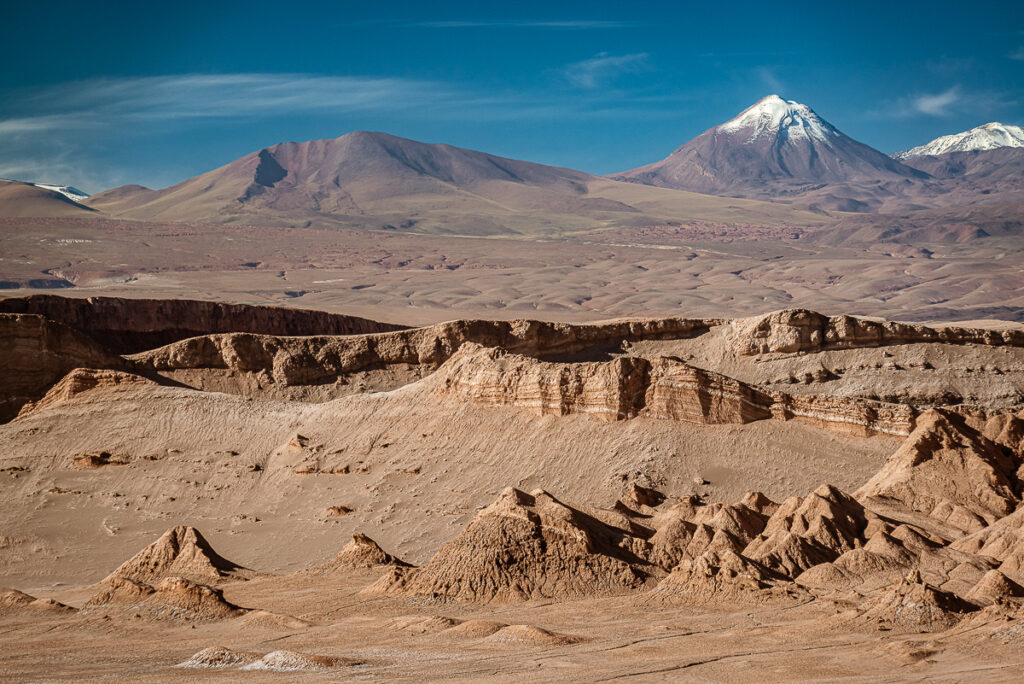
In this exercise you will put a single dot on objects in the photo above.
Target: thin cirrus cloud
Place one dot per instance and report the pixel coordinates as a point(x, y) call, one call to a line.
point(1017, 54)
point(65, 131)
point(937, 104)
point(940, 104)
point(569, 24)
point(210, 96)
point(603, 68)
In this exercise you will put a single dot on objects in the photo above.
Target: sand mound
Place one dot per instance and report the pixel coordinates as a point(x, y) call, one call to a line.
point(290, 661)
point(530, 635)
point(263, 618)
point(172, 598)
point(13, 602)
point(180, 552)
point(420, 624)
point(475, 628)
point(949, 471)
point(994, 587)
point(219, 656)
point(525, 546)
point(912, 605)
point(360, 552)
point(805, 532)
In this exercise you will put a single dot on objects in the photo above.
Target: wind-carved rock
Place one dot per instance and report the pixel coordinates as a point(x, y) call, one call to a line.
point(526, 546)
point(39, 352)
point(801, 330)
point(611, 390)
point(300, 360)
point(948, 471)
point(132, 325)
point(666, 388)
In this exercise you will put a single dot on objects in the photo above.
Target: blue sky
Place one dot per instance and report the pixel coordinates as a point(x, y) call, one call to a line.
point(102, 94)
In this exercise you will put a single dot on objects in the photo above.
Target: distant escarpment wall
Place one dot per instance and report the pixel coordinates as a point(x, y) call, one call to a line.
point(800, 330)
point(37, 352)
point(306, 360)
point(126, 326)
point(665, 388)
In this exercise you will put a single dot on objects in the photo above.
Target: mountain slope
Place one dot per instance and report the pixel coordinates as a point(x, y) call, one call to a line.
point(990, 136)
point(27, 200)
point(773, 148)
point(375, 181)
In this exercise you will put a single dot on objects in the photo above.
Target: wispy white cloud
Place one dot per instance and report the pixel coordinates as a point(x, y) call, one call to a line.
point(1017, 54)
point(603, 68)
point(945, 103)
point(937, 104)
point(568, 24)
point(216, 95)
point(769, 79)
point(64, 133)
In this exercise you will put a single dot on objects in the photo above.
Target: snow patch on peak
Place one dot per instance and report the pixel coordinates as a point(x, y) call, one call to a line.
point(773, 116)
point(989, 136)
point(73, 194)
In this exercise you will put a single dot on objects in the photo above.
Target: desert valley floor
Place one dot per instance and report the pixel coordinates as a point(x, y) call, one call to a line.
point(195, 491)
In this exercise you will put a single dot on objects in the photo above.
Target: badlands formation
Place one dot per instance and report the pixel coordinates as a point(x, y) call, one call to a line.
point(201, 491)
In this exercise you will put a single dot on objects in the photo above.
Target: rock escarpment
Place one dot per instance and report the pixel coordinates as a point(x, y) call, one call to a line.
point(801, 330)
point(127, 326)
point(665, 388)
point(39, 352)
point(298, 360)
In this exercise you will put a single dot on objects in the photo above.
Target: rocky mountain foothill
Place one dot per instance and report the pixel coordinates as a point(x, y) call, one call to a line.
point(247, 489)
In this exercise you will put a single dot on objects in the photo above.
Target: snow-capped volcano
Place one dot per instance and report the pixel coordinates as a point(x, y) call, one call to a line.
point(773, 116)
point(775, 147)
point(990, 136)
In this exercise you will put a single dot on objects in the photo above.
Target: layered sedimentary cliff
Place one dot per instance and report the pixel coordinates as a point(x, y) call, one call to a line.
point(665, 388)
point(37, 353)
point(127, 326)
point(801, 330)
point(292, 361)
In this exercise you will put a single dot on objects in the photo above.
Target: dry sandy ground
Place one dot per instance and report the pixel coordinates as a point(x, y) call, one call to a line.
point(616, 639)
point(424, 279)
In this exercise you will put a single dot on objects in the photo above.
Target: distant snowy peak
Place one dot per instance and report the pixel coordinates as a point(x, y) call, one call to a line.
point(773, 116)
point(991, 136)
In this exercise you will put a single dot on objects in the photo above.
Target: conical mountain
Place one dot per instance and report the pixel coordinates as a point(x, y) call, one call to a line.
point(774, 147)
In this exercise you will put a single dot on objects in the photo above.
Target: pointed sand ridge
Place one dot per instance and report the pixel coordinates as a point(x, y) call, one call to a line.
point(181, 551)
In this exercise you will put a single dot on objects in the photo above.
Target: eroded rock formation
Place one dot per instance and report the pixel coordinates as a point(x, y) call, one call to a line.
point(180, 552)
point(800, 330)
point(665, 388)
point(126, 326)
point(38, 352)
